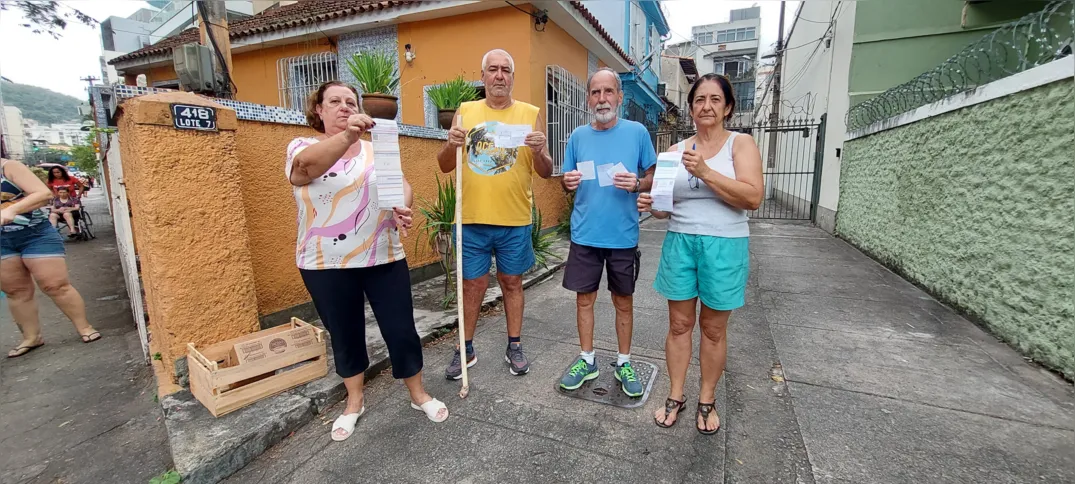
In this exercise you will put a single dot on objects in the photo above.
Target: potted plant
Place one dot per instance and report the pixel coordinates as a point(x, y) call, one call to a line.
point(448, 96)
point(375, 73)
point(437, 231)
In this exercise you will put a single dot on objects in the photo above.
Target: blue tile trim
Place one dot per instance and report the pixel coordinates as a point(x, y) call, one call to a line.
point(246, 111)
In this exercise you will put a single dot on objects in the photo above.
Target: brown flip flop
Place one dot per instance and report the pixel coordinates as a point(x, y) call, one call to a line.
point(88, 338)
point(19, 350)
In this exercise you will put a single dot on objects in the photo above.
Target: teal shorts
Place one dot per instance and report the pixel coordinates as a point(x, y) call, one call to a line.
point(714, 269)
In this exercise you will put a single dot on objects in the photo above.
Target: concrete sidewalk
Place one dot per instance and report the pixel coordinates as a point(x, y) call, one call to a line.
point(838, 371)
point(73, 412)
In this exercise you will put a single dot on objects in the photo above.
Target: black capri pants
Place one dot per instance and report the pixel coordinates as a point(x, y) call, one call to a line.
point(339, 296)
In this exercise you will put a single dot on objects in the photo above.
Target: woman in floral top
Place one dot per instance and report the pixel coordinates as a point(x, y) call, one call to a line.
point(348, 248)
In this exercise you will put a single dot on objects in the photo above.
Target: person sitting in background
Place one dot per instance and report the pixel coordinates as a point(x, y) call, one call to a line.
point(65, 206)
point(58, 177)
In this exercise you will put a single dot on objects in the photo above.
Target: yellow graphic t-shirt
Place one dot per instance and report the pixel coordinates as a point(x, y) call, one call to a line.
point(496, 181)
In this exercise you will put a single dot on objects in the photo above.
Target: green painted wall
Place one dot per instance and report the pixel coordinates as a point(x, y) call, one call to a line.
point(978, 206)
point(898, 40)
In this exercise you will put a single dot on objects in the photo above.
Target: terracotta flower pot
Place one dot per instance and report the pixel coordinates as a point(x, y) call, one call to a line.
point(445, 117)
point(381, 106)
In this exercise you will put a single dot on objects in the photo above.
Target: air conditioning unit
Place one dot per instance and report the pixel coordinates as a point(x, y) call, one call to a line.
point(194, 65)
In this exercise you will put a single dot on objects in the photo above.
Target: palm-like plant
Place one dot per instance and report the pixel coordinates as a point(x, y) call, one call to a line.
point(437, 231)
point(374, 71)
point(449, 95)
point(542, 242)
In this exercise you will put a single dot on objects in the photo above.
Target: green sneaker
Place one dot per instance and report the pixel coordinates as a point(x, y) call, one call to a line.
point(625, 374)
point(579, 373)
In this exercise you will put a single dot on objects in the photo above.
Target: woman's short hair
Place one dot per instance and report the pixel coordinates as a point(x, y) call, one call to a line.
point(725, 87)
point(317, 97)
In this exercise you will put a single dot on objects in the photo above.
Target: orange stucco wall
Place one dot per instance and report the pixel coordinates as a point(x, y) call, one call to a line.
point(184, 246)
point(255, 74)
point(270, 208)
point(471, 36)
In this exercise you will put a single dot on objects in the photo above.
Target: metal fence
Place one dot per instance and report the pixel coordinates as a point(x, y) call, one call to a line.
point(791, 150)
point(1031, 41)
point(565, 100)
point(298, 76)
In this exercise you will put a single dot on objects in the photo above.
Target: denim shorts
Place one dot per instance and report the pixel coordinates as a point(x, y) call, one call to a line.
point(33, 242)
point(713, 269)
point(512, 246)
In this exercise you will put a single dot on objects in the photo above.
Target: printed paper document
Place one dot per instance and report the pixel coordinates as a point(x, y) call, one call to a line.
point(511, 135)
point(386, 164)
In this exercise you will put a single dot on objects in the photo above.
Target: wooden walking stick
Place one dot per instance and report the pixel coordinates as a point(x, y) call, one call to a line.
point(459, 260)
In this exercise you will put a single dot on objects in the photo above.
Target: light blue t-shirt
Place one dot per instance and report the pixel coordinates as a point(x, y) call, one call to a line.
point(607, 217)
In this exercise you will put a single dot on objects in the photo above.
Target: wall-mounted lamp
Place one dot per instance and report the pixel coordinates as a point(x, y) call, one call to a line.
point(410, 53)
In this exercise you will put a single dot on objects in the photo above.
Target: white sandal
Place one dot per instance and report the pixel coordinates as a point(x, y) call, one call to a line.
point(431, 408)
point(347, 423)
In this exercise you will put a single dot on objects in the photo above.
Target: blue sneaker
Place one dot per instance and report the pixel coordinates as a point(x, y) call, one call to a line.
point(625, 374)
point(579, 373)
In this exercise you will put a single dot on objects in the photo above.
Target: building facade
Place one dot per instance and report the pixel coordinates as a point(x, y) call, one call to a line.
point(641, 28)
point(12, 130)
point(279, 56)
point(68, 134)
point(731, 48)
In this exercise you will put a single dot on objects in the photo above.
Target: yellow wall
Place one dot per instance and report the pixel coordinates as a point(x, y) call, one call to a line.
point(254, 72)
point(270, 208)
point(452, 46)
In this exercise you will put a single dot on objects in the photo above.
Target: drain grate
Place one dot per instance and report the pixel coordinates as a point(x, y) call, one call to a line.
point(605, 389)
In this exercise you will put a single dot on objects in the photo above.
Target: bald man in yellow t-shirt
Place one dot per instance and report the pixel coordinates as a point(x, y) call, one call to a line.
point(496, 201)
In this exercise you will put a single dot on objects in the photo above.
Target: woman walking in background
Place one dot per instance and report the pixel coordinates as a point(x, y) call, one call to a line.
point(705, 255)
point(348, 249)
point(31, 250)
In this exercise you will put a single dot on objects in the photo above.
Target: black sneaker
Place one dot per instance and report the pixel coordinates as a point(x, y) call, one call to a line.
point(517, 362)
point(455, 368)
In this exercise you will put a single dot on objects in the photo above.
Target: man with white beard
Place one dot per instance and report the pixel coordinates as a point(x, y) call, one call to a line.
point(604, 222)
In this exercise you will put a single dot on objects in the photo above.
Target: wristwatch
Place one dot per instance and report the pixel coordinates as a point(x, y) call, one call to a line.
point(638, 184)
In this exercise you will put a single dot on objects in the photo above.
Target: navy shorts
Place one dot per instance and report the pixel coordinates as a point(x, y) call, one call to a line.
point(512, 246)
point(582, 273)
point(34, 242)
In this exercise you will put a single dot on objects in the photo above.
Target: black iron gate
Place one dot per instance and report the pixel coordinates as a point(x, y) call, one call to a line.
point(791, 154)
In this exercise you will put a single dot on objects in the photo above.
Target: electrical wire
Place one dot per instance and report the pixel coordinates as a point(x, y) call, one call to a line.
point(800, 75)
point(216, 49)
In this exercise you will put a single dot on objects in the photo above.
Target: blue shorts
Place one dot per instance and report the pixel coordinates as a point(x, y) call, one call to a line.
point(33, 242)
point(714, 269)
point(512, 246)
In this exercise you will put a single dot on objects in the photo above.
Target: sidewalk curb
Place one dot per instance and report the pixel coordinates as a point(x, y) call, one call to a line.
point(207, 449)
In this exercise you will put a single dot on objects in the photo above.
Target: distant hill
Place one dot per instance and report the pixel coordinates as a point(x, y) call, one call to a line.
point(40, 104)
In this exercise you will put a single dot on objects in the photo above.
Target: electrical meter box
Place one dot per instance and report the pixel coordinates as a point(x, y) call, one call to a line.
point(194, 65)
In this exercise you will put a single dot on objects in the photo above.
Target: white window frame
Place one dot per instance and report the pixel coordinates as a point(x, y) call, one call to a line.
point(298, 76)
point(703, 38)
point(565, 110)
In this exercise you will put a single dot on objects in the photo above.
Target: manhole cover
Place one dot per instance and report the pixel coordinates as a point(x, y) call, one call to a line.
point(606, 389)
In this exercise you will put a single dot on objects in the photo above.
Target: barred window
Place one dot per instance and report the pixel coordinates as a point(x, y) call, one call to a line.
point(298, 76)
point(565, 101)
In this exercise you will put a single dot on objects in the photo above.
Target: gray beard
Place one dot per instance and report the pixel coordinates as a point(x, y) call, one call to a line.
point(605, 118)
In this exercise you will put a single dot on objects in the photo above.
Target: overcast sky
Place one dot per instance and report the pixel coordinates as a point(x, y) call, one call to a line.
point(57, 64)
point(684, 14)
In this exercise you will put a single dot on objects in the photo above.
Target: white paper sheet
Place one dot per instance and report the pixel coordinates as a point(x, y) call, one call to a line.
point(386, 164)
point(511, 135)
point(617, 168)
point(587, 170)
point(664, 180)
point(603, 178)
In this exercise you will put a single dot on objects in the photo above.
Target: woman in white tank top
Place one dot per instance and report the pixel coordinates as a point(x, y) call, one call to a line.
point(705, 253)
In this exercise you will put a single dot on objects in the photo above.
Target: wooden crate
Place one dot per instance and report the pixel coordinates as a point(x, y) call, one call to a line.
point(223, 385)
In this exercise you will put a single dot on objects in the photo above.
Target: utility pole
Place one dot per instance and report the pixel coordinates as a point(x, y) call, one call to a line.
point(213, 27)
point(774, 114)
point(89, 79)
